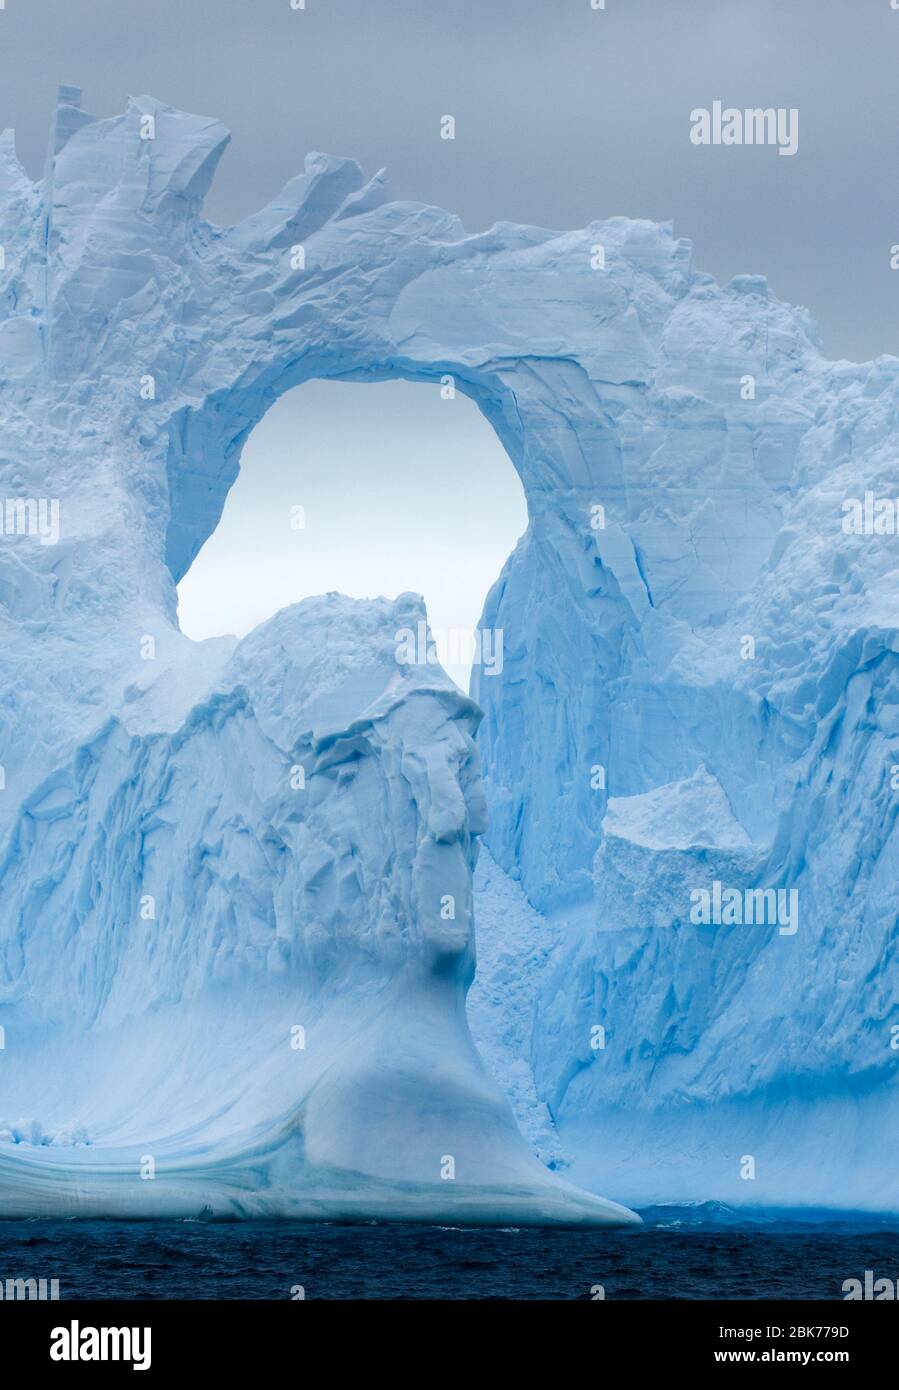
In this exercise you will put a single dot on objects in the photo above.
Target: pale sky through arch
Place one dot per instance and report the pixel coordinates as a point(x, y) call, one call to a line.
point(401, 490)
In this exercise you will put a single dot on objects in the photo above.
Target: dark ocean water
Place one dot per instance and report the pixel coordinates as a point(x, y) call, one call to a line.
point(680, 1253)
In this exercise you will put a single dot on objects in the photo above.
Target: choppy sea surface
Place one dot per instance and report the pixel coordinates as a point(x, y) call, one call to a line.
point(704, 1252)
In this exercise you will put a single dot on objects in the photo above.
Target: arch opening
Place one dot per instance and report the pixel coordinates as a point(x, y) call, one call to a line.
point(369, 489)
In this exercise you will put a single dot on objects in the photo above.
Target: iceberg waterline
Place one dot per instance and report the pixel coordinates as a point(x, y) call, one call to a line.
point(177, 902)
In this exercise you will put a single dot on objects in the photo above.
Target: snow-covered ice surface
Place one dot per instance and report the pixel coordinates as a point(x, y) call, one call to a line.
point(699, 686)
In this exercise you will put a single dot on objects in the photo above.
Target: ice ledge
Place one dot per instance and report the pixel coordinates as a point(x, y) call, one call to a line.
point(679, 815)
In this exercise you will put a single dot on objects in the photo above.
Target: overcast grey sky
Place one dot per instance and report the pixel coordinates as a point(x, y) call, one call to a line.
point(564, 114)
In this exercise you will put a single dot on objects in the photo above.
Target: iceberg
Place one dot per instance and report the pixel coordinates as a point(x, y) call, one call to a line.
point(244, 961)
point(238, 912)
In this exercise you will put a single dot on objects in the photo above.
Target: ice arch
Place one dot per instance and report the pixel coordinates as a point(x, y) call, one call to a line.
point(683, 448)
point(237, 929)
point(366, 490)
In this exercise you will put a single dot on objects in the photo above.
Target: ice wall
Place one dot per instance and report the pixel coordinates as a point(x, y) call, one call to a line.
point(725, 629)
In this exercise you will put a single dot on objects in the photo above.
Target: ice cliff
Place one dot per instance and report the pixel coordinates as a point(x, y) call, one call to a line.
point(699, 686)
